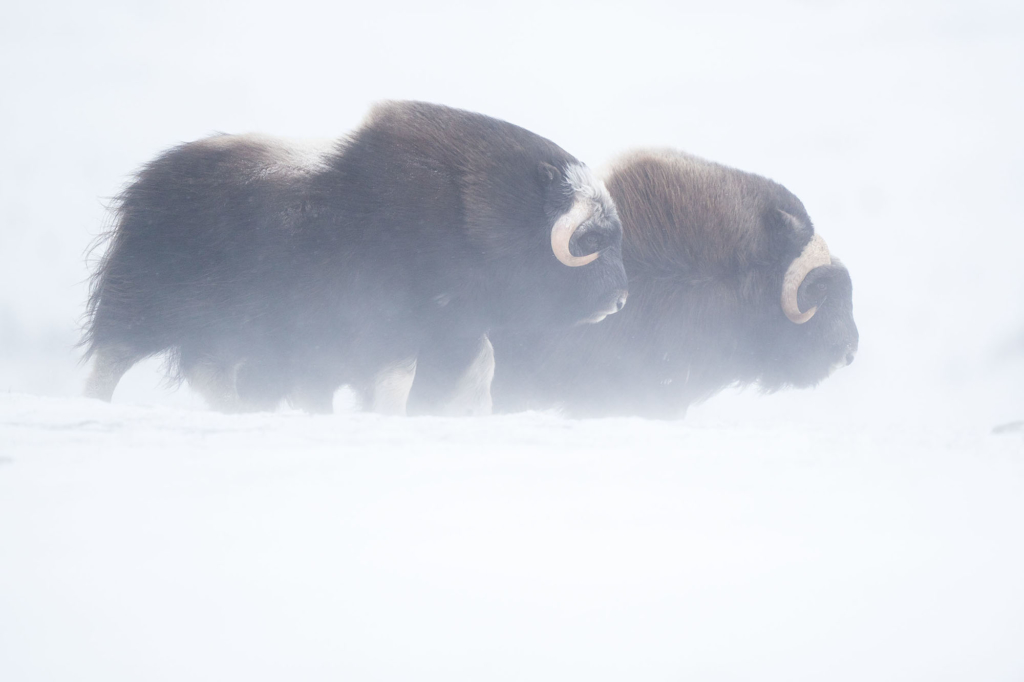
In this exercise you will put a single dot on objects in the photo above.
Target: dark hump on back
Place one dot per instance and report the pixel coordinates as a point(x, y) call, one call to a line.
point(684, 215)
point(495, 163)
point(463, 138)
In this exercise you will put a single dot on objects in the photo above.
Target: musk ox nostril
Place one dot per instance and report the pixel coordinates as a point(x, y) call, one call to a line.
point(622, 301)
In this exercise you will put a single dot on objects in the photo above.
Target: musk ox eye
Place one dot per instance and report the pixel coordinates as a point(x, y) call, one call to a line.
point(591, 238)
point(814, 290)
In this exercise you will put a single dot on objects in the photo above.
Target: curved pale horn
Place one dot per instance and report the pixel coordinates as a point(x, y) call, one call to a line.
point(814, 255)
point(563, 231)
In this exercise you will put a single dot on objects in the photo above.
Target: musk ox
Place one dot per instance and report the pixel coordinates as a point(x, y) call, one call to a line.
point(729, 283)
point(270, 269)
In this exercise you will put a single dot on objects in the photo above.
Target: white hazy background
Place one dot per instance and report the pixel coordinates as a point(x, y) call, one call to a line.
point(868, 529)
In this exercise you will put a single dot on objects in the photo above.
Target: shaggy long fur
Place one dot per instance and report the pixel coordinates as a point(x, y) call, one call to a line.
point(705, 248)
point(269, 269)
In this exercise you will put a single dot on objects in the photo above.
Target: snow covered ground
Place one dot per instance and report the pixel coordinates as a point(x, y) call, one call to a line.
point(166, 544)
point(870, 529)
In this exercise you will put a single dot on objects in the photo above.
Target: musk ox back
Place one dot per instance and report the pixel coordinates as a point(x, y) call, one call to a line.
point(729, 283)
point(270, 269)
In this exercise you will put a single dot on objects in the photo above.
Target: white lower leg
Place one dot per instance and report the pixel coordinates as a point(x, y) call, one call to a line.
point(473, 391)
point(108, 366)
point(391, 387)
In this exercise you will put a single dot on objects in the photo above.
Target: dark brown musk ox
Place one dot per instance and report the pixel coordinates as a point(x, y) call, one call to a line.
point(269, 269)
point(729, 284)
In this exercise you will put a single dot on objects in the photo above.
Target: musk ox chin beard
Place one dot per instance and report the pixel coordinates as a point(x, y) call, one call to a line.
point(799, 374)
point(598, 316)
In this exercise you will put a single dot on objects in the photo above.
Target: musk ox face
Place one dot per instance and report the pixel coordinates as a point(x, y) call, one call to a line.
point(581, 272)
point(815, 334)
point(803, 349)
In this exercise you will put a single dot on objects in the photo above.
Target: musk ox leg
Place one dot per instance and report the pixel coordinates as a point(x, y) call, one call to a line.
point(262, 383)
point(389, 393)
point(311, 385)
point(313, 399)
point(454, 377)
point(236, 385)
point(109, 365)
point(472, 395)
point(217, 382)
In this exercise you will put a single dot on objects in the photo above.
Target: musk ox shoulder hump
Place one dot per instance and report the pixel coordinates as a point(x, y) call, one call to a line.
point(266, 155)
point(472, 142)
point(688, 215)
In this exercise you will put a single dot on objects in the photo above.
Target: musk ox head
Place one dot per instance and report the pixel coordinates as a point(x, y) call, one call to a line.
point(586, 274)
point(818, 334)
point(561, 264)
point(543, 240)
point(538, 244)
point(734, 267)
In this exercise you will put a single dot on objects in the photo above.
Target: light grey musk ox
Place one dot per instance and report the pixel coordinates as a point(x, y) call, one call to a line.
point(729, 284)
point(269, 269)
